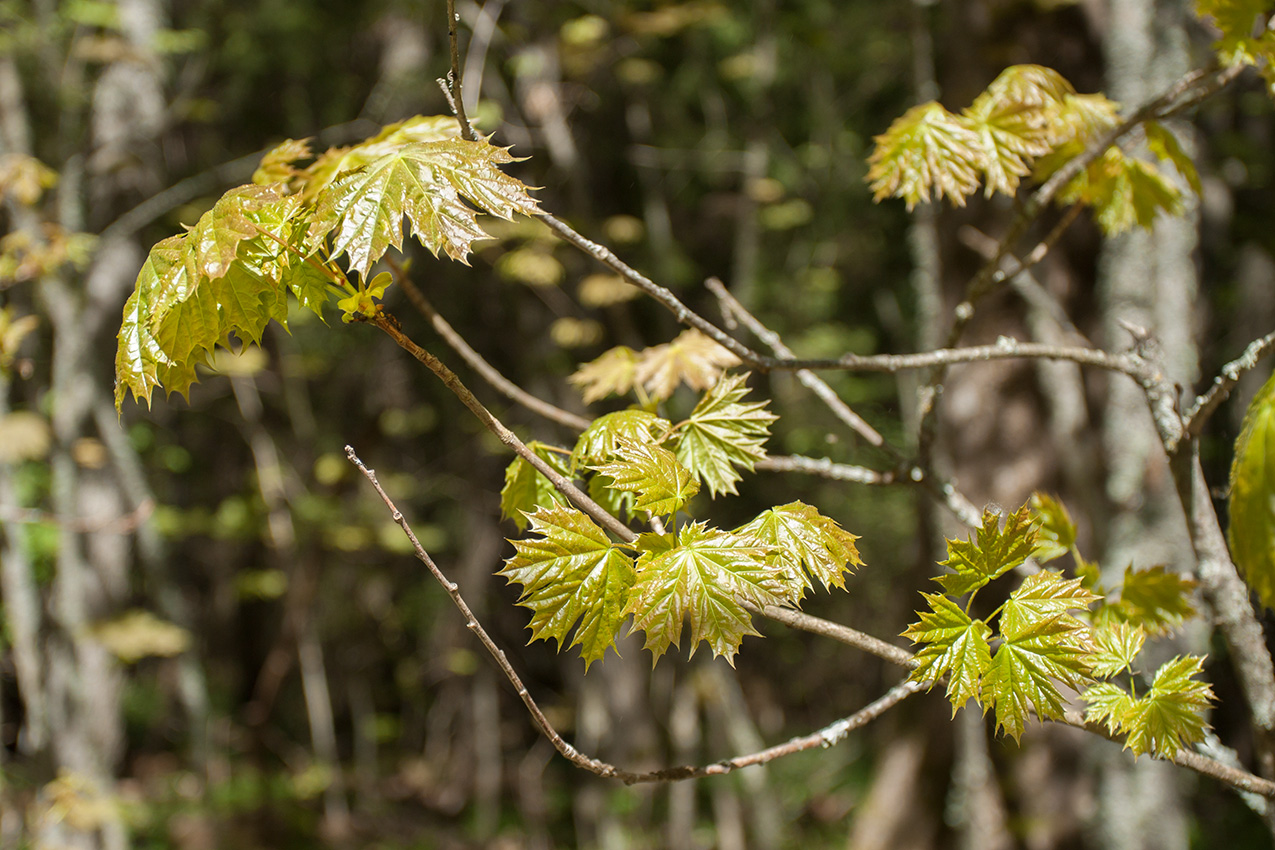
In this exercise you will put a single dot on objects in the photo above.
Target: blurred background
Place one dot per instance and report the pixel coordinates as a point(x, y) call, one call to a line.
point(213, 634)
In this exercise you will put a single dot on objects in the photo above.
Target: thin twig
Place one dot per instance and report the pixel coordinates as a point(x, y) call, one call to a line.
point(1227, 378)
point(387, 323)
point(122, 524)
point(825, 468)
point(826, 737)
point(488, 372)
point(1005, 348)
point(838, 632)
point(455, 98)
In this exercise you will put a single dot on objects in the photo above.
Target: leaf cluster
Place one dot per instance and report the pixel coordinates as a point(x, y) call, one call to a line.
point(573, 576)
point(231, 272)
point(1049, 635)
point(1028, 122)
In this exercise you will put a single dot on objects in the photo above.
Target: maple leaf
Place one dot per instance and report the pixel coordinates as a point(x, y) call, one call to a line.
point(613, 373)
point(1055, 532)
point(1252, 506)
point(1030, 659)
point(337, 161)
point(424, 182)
point(573, 573)
point(722, 433)
point(1165, 145)
point(598, 441)
point(1123, 191)
point(661, 484)
point(1115, 646)
point(691, 358)
point(526, 489)
point(992, 554)
point(805, 543)
point(706, 577)
point(926, 151)
point(1106, 703)
point(954, 645)
point(1235, 20)
point(1014, 119)
point(1042, 596)
point(277, 165)
point(1156, 599)
point(24, 178)
point(1172, 711)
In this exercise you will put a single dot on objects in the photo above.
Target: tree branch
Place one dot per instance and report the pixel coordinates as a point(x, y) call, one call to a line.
point(1227, 378)
point(826, 737)
point(564, 485)
point(476, 362)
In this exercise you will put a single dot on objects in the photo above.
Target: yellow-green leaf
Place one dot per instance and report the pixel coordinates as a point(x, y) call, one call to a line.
point(571, 573)
point(1252, 503)
point(691, 358)
point(806, 544)
point(662, 485)
point(526, 490)
point(991, 554)
point(952, 644)
point(722, 433)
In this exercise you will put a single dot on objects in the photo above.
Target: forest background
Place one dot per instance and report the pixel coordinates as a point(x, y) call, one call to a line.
point(233, 643)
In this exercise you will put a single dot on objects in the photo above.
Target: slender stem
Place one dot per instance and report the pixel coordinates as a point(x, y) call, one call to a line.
point(454, 76)
point(1225, 381)
point(564, 485)
point(476, 362)
point(838, 632)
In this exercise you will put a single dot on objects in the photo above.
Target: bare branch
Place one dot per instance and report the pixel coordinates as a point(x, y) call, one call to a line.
point(453, 88)
point(476, 362)
point(1005, 348)
point(837, 632)
point(825, 468)
point(564, 485)
point(1225, 381)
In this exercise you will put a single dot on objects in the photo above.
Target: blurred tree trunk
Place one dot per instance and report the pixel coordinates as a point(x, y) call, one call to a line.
point(1146, 280)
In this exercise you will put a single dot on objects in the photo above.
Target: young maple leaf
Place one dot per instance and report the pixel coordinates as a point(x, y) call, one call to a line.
point(953, 644)
point(526, 489)
point(1115, 646)
point(1026, 665)
point(706, 576)
point(598, 441)
point(1106, 703)
point(1155, 599)
point(723, 433)
point(806, 544)
point(1013, 119)
point(1171, 713)
point(1235, 19)
point(926, 151)
point(662, 485)
point(424, 182)
point(992, 554)
point(1042, 596)
point(277, 165)
point(613, 373)
point(572, 573)
point(1055, 531)
point(691, 358)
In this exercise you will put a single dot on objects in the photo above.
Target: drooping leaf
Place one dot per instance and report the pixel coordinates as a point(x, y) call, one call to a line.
point(572, 573)
point(1055, 532)
point(661, 485)
point(691, 358)
point(805, 543)
point(1116, 645)
point(1172, 712)
point(1123, 191)
point(526, 490)
point(1252, 502)
point(1026, 666)
point(991, 554)
point(613, 373)
point(1043, 596)
point(1156, 599)
point(722, 433)
point(598, 441)
point(705, 578)
point(1165, 145)
point(927, 152)
point(952, 644)
point(427, 183)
